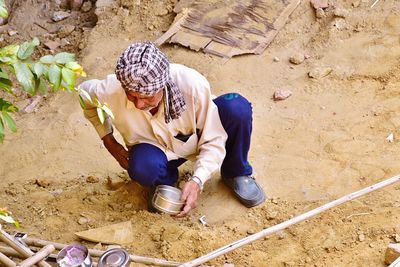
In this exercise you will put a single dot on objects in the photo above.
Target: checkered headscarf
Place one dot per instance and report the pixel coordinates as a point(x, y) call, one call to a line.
point(144, 69)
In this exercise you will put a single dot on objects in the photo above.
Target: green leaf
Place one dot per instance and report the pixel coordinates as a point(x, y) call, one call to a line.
point(73, 66)
point(35, 41)
point(49, 59)
point(107, 110)
point(82, 102)
point(1, 126)
point(9, 50)
point(64, 57)
point(3, 12)
point(6, 85)
point(7, 106)
point(42, 86)
point(100, 113)
point(69, 77)
point(27, 48)
point(39, 69)
point(55, 77)
point(9, 121)
point(85, 94)
point(25, 77)
point(7, 218)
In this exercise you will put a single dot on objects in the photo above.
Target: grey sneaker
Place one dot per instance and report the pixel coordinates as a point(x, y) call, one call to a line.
point(246, 189)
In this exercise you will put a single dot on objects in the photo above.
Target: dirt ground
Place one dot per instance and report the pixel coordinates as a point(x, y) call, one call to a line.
point(328, 139)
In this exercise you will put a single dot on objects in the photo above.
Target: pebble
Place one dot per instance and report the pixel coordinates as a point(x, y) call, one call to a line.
point(272, 215)
point(83, 220)
point(92, 179)
point(251, 231)
point(397, 238)
point(319, 4)
point(276, 59)
point(274, 201)
point(43, 182)
point(12, 32)
point(282, 94)
point(318, 73)
point(297, 58)
point(60, 15)
point(128, 206)
point(52, 45)
point(356, 3)
point(87, 6)
point(75, 4)
point(361, 237)
point(371, 245)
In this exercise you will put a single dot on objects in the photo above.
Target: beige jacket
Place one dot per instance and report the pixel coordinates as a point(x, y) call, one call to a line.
point(206, 148)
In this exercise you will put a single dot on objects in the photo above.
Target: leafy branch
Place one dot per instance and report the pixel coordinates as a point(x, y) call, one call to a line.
point(5, 216)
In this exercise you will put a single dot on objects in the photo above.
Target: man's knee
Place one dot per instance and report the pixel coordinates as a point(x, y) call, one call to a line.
point(235, 107)
point(146, 163)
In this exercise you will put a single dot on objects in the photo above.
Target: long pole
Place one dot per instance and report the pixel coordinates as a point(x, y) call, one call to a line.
point(38, 256)
point(283, 225)
point(6, 261)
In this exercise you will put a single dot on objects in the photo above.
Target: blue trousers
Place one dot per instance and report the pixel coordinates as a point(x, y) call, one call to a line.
point(149, 166)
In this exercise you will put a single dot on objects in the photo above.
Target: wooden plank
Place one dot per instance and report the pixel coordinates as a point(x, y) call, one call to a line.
point(223, 50)
point(190, 39)
point(176, 26)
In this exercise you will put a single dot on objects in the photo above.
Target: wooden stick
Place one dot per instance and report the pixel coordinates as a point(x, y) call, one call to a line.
point(6, 261)
point(12, 253)
point(98, 253)
point(283, 225)
point(376, 1)
point(21, 249)
point(40, 255)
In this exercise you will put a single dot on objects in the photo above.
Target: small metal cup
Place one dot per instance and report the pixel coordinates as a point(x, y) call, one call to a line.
point(115, 257)
point(74, 255)
point(167, 199)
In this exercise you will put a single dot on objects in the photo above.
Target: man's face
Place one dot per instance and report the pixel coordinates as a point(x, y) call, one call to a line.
point(144, 102)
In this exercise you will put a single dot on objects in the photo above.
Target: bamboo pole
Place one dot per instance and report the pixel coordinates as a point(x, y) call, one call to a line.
point(97, 253)
point(6, 261)
point(396, 263)
point(283, 225)
point(38, 256)
point(21, 249)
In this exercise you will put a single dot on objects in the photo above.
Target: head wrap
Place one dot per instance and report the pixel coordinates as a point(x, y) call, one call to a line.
point(144, 69)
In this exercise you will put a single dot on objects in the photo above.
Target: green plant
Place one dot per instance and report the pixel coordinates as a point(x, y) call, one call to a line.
point(58, 72)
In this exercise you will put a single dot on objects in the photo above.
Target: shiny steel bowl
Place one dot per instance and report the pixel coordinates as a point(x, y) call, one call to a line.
point(167, 199)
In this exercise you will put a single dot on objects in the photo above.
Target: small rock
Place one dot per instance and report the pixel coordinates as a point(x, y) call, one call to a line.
point(52, 45)
point(75, 4)
point(307, 56)
point(92, 179)
point(276, 59)
point(371, 245)
point(56, 192)
point(320, 13)
point(87, 6)
point(397, 238)
point(356, 3)
point(341, 13)
point(316, 4)
point(297, 58)
point(272, 215)
point(361, 237)
point(282, 94)
point(229, 265)
point(98, 246)
point(251, 231)
point(65, 30)
point(128, 206)
point(43, 182)
point(318, 73)
point(60, 15)
point(104, 3)
point(162, 12)
point(83, 220)
point(81, 46)
point(289, 263)
point(12, 32)
point(274, 201)
point(3, 21)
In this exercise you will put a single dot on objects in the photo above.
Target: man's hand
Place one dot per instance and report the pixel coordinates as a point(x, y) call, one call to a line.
point(116, 150)
point(190, 193)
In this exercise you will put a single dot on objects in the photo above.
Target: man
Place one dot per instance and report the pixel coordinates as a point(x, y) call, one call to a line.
point(166, 115)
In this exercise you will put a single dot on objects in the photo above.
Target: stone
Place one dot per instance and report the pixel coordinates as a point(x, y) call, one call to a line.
point(341, 13)
point(356, 3)
point(316, 4)
point(60, 15)
point(276, 59)
point(397, 238)
point(83, 220)
point(128, 206)
point(87, 6)
point(52, 45)
point(43, 182)
point(251, 231)
point(392, 253)
point(297, 58)
point(282, 94)
point(75, 4)
point(272, 215)
point(319, 72)
point(361, 237)
point(92, 179)
point(289, 263)
point(104, 3)
point(65, 30)
point(12, 32)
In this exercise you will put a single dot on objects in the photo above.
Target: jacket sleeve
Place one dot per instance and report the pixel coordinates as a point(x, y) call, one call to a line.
point(95, 88)
point(212, 136)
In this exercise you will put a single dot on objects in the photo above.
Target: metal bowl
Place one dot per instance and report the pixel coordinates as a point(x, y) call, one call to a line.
point(167, 199)
point(74, 255)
